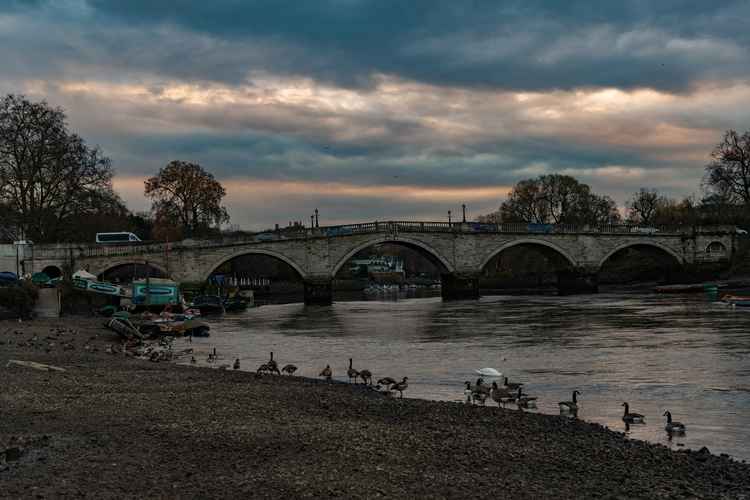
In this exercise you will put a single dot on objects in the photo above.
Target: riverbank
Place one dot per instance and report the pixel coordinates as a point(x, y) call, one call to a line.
point(111, 426)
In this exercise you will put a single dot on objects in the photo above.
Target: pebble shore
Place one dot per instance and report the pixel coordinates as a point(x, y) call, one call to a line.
point(110, 426)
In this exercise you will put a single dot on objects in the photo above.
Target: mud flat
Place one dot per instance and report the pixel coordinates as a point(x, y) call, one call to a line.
point(114, 427)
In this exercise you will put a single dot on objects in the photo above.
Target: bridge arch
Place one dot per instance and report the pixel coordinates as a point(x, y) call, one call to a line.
point(104, 269)
point(527, 241)
point(255, 251)
point(413, 242)
point(665, 249)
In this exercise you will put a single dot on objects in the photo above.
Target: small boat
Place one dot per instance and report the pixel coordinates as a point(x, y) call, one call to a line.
point(99, 287)
point(208, 304)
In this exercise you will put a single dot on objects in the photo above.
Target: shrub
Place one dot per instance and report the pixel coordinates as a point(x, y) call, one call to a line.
point(19, 299)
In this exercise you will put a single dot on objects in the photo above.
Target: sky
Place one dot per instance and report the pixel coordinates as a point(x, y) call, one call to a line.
point(383, 109)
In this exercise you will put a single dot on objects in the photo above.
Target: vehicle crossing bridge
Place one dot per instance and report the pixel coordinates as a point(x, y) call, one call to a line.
point(460, 250)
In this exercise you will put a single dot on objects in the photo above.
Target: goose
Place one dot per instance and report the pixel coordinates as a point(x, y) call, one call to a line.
point(353, 374)
point(236, 365)
point(273, 366)
point(511, 385)
point(386, 381)
point(571, 406)
point(366, 376)
point(631, 417)
point(500, 396)
point(327, 373)
point(289, 369)
point(468, 392)
point(489, 372)
point(401, 387)
point(673, 427)
point(481, 387)
point(262, 368)
point(479, 397)
point(524, 400)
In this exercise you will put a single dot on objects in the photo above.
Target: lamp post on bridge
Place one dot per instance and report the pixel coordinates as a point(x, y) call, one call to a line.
point(449, 217)
point(312, 221)
point(317, 224)
point(463, 207)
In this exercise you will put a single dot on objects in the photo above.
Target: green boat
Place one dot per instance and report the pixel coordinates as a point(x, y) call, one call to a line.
point(156, 292)
point(99, 287)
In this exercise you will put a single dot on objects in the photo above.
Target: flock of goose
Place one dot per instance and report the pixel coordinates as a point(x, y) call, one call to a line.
point(508, 393)
point(511, 393)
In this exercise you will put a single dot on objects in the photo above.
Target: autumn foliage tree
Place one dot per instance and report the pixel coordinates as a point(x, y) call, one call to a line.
point(187, 197)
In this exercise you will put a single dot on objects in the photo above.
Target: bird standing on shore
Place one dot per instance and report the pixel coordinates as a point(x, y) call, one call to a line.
point(366, 376)
point(500, 396)
point(327, 373)
point(386, 381)
point(352, 373)
point(289, 369)
point(673, 427)
point(631, 418)
point(401, 387)
point(468, 392)
point(236, 364)
point(570, 406)
point(524, 400)
point(511, 385)
point(273, 366)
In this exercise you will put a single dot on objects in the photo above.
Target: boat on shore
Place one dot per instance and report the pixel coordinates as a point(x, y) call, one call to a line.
point(208, 305)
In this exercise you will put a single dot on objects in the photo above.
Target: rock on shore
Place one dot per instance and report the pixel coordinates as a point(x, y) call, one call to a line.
point(114, 427)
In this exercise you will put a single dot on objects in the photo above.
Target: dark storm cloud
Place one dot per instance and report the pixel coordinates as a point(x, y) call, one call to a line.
point(530, 45)
point(388, 107)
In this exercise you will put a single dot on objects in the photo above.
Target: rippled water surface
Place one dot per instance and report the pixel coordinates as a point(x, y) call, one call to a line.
point(677, 353)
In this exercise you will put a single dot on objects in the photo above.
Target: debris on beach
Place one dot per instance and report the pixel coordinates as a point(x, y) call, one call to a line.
point(35, 365)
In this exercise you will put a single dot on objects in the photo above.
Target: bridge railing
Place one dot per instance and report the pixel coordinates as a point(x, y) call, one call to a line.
point(64, 251)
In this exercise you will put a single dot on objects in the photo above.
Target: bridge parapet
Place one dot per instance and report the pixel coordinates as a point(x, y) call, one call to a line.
point(77, 250)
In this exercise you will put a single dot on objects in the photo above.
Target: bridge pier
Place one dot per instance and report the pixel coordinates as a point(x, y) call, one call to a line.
point(318, 292)
point(459, 286)
point(577, 281)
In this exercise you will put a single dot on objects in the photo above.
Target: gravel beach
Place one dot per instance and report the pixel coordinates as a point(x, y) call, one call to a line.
point(110, 426)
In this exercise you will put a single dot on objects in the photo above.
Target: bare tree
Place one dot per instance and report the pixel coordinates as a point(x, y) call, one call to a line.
point(186, 196)
point(558, 199)
point(728, 174)
point(643, 206)
point(48, 175)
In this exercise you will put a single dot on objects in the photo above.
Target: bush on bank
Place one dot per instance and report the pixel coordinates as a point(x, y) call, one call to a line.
point(19, 300)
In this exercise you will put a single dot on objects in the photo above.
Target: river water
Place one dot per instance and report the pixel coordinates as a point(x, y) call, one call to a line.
point(678, 353)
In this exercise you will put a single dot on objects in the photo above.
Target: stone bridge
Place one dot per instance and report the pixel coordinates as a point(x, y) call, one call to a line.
point(461, 250)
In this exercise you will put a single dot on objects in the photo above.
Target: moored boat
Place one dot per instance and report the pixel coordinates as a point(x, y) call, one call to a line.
point(208, 304)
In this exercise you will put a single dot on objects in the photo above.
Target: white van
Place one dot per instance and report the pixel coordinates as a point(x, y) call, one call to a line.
point(112, 238)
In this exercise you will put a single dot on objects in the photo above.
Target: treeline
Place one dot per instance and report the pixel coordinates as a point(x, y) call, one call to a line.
point(561, 199)
point(54, 187)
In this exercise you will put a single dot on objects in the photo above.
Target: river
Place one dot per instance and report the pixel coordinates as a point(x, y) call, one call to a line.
point(678, 353)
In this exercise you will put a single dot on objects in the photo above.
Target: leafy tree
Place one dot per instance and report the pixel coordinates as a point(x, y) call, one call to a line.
point(558, 199)
point(186, 196)
point(48, 175)
point(728, 174)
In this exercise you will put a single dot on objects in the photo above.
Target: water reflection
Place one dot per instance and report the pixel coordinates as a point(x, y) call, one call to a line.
point(678, 353)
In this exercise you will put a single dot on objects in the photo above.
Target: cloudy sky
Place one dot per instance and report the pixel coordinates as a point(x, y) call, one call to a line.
point(380, 109)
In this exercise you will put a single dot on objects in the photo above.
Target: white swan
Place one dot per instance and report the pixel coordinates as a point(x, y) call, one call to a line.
point(489, 372)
